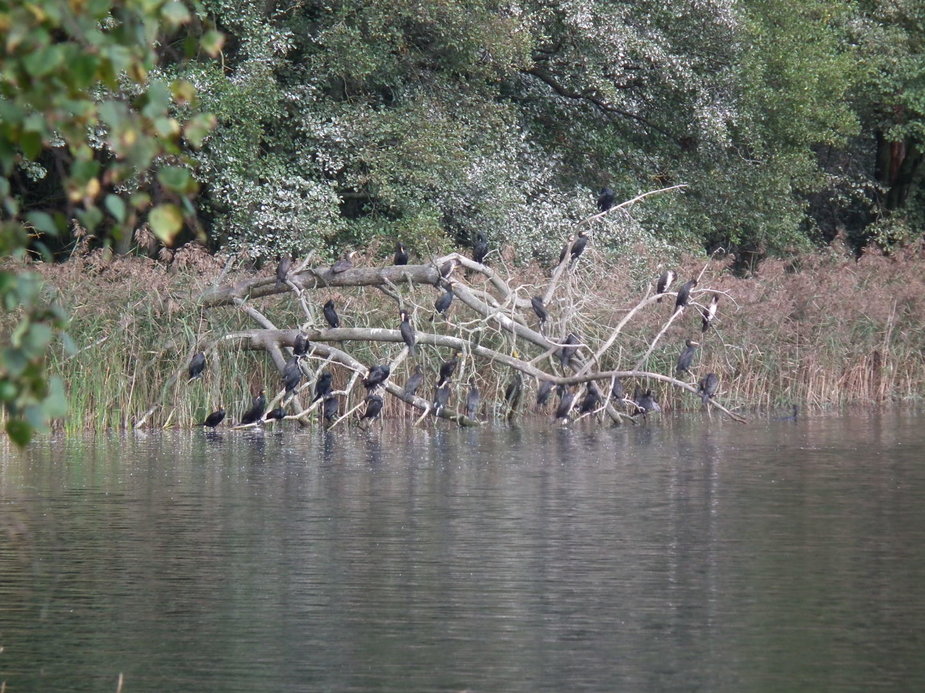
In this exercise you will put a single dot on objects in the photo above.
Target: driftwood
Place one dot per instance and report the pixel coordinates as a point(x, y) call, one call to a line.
point(497, 310)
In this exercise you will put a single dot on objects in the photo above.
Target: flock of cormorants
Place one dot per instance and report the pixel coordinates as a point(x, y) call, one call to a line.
point(642, 401)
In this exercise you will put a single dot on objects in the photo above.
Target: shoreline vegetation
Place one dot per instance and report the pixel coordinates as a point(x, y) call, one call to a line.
point(822, 329)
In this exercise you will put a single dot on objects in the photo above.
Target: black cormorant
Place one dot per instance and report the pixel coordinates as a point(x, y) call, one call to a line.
point(591, 400)
point(479, 248)
point(282, 269)
point(539, 308)
point(446, 269)
point(447, 368)
point(330, 314)
point(401, 255)
point(441, 398)
point(708, 386)
point(258, 406)
point(373, 407)
point(443, 302)
point(330, 407)
point(617, 391)
point(684, 294)
point(568, 242)
point(566, 398)
point(414, 382)
point(300, 345)
point(407, 331)
point(578, 247)
point(664, 283)
point(794, 414)
point(472, 399)
point(344, 263)
point(605, 199)
point(512, 392)
point(543, 392)
point(215, 418)
point(322, 385)
point(376, 376)
point(646, 403)
point(292, 374)
point(277, 414)
point(566, 352)
point(709, 313)
point(196, 365)
point(687, 356)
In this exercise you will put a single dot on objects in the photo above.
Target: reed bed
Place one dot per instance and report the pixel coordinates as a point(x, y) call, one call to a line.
point(820, 330)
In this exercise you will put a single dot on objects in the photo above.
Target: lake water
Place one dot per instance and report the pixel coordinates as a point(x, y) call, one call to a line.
point(684, 555)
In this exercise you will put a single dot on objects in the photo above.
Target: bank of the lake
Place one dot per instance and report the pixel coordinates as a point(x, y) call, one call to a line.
point(823, 330)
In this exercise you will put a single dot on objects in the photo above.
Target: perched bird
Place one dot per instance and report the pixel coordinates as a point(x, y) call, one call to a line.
point(645, 403)
point(282, 269)
point(709, 313)
point(566, 352)
point(376, 376)
point(414, 381)
point(568, 242)
point(441, 398)
point(707, 387)
point(472, 399)
point(664, 283)
point(443, 302)
point(512, 392)
point(407, 331)
point(539, 308)
point(330, 314)
point(373, 407)
point(196, 365)
point(277, 414)
point(578, 247)
point(591, 401)
point(215, 418)
point(479, 248)
point(543, 392)
point(330, 407)
point(322, 386)
point(687, 356)
point(605, 199)
point(447, 368)
point(258, 406)
point(684, 294)
point(401, 255)
point(344, 263)
point(292, 374)
point(616, 391)
point(300, 345)
point(446, 269)
point(566, 399)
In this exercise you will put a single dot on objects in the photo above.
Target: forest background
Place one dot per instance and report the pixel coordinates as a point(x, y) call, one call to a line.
point(263, 128)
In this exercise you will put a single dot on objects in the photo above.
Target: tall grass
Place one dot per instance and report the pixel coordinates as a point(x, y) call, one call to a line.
point(819, 330)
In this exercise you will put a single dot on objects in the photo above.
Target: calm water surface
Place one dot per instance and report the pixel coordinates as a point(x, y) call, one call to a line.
point(686, 555)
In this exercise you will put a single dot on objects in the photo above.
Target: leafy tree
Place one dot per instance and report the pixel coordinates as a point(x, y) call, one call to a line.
point(83, 118)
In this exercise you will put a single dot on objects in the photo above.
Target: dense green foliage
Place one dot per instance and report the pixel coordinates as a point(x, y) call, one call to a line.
point(86, 132)
point(348, 120)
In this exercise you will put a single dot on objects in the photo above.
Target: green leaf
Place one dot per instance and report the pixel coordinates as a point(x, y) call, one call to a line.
point(43, 222)
point(31, 143)
point(175, 178)
point(35, 340)
point(175, 14)
point(116, 207)
point(166, 221)
point(43, 61)
point(19, 431)
point(90, 217)
point(212, 42)
point(55, 405)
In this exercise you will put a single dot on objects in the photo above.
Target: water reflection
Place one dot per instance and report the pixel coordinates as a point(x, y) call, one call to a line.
point(677, 555)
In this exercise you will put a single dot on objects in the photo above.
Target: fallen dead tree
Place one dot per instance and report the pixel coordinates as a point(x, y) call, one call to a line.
point(496, 331)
